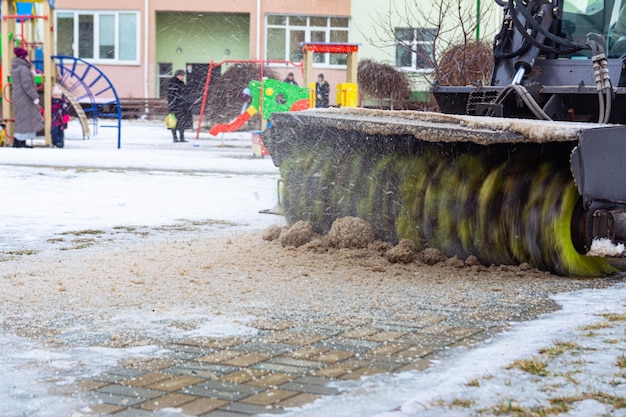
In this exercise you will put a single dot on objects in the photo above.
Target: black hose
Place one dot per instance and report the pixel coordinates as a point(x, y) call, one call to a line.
point(523, 93)
point(498, 54)
point(536, 27)
point(506, 34)
point(530, 20)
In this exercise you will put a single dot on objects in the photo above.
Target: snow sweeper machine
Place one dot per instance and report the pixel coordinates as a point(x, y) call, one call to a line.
point(528, 169)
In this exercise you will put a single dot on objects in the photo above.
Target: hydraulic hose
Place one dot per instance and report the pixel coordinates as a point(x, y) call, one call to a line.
point(504, 37)
point(532, 22)
point(607, 90)
point(603, 82)
point(527, 60)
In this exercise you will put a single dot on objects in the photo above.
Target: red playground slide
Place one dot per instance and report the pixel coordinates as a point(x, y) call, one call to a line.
point(232, 126)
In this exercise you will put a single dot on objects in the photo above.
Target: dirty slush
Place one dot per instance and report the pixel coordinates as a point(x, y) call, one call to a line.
point(282, 281)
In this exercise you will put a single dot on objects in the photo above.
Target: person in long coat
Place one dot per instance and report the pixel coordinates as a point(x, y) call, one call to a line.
point(28, 117)
point(178, 103)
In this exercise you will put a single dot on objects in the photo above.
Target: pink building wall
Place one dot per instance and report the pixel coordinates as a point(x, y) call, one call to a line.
point(139, 80)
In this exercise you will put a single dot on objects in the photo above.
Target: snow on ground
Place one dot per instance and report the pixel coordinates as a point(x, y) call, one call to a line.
point(150, 181)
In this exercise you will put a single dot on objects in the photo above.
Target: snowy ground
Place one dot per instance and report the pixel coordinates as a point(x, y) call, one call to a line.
point(151, 182)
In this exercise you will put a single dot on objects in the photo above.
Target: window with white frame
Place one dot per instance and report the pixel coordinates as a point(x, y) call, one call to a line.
point(414, 48)
point(285, 33)
point(98, 36)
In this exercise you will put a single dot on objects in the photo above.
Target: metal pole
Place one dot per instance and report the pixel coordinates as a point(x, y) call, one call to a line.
point(146, 47)
point(477, 20)
point(258, 29)
point(204, 97)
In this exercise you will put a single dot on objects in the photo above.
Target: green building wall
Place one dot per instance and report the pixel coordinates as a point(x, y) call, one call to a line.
point(197, 38)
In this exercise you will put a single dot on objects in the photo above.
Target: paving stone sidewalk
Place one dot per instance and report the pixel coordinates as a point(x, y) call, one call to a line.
point(285, 365)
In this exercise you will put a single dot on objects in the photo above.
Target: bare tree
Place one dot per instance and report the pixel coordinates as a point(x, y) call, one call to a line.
point(454, 25)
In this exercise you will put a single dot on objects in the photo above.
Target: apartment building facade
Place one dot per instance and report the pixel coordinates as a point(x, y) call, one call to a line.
point(140, 43)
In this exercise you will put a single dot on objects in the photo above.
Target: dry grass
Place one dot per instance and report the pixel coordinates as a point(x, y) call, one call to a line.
point(84, 232)
point(533, 366)
point(596, 326)
point(560, 348)
point(461, 403)
point(614, 316)
point(473, 383)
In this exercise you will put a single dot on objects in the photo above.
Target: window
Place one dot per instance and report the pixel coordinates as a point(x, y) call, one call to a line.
point(414, 48)
point(165, 75)
point(285, 33)
point(65, 33)
point(106, 37)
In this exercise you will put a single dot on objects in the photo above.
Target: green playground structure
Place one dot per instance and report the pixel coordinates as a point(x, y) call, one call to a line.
point(267, 96)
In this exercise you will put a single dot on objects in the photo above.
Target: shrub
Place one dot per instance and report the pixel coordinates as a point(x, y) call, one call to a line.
point(383, 81)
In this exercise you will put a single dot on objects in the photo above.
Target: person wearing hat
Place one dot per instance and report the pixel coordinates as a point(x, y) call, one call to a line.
point(178, 103)
point(321, 92)
point(60, 116)
point(290, 80)
point(247, 99)
point(25, 99)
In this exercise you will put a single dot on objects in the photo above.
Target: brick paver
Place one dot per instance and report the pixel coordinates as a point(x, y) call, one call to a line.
point(146, 379)
point(246, 360)
point(271, 396)
point(175, 383)
point(200, 406)
point(298, 400)
point(272, 379)
point(243, 376)
point(167, 400)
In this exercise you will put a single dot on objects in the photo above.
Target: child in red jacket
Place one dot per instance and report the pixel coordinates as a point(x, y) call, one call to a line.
point(60, 117)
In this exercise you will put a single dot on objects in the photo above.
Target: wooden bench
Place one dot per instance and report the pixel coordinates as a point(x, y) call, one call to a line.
point(152, 108)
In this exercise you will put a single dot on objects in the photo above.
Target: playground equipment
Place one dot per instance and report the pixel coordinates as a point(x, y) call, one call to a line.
point(34, 18)
point(89, 91)
point(235, 124)
point(29, 24)
point(347, 92)
point(270, 96)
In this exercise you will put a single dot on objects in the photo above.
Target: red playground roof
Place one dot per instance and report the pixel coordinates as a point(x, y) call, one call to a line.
point(332, 47)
